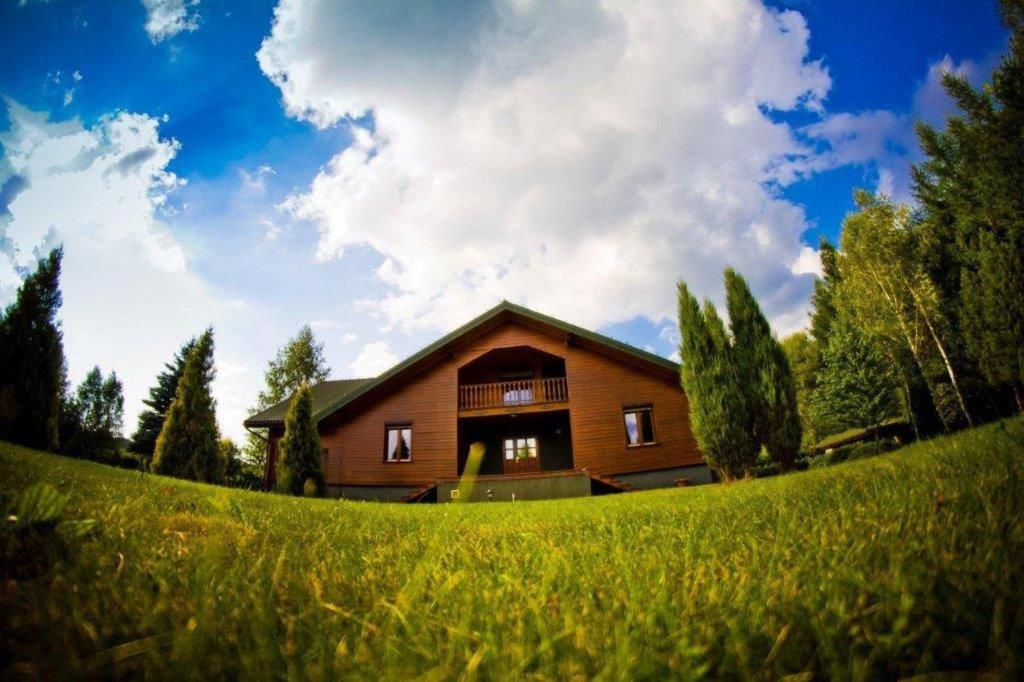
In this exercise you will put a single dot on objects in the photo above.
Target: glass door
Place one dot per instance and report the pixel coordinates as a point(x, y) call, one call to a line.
point(521, 455)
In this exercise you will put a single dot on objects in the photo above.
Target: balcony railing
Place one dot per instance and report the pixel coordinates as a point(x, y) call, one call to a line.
point(513, 393)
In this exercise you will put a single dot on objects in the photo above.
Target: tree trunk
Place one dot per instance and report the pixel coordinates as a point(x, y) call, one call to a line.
point(945, 357)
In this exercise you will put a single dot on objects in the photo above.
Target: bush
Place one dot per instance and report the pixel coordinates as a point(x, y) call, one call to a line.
point(853, 451)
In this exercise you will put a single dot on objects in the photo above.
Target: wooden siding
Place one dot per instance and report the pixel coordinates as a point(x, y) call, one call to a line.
point(599, 387)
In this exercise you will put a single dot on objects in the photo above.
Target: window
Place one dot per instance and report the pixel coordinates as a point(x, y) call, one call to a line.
point(520, 448)
point(639, 425)
point(518, 387)
point(398, 442)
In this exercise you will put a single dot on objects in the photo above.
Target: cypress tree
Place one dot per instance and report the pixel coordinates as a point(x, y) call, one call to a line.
point(151, 420)
point(187, 446)
point(301, 451)
point(765, 376)
point(708, 375)
point(32, 359)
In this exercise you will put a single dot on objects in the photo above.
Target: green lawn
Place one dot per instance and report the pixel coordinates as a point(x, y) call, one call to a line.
point(902, 564)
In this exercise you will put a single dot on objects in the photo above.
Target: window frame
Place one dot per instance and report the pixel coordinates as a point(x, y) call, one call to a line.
point(397, 426)
point(536, 447)
point(637, 409)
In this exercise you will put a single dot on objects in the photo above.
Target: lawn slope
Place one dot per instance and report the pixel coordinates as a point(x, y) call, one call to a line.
point(902, 564)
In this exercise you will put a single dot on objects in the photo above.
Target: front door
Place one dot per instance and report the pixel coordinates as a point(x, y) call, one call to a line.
point(521, 455)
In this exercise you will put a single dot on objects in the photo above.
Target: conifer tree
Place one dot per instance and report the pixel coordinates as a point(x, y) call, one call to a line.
point(709, 377)
point(765, 376)
point(151, 420)
point(823, 307)
point(970, 186)
point(857, 387)
point(188, 443)
point(301, 457)
point(300, 361)
point(32, 359)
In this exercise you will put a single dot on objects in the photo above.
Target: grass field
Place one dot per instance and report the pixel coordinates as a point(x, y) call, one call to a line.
point(898, 565)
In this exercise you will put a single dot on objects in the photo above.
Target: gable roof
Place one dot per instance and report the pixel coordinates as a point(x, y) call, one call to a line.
point(333, 399)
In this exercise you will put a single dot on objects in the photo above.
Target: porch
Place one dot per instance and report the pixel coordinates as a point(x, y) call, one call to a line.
point(518, 443)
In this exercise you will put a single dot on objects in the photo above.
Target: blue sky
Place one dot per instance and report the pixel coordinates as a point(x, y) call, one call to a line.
point(384, 174)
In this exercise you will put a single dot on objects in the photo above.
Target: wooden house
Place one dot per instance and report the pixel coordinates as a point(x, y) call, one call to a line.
point(560, 410)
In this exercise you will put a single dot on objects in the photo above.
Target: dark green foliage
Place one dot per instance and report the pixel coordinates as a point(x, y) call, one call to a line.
point(300, 361)
point(91, 420)
point(32, 359)
point(187, 446)
point(765, 377)
point(301, 458)
point(804, 361)
point(710, 378)
point(853, 452)
point(856, 385)
point(161, 394)
point(823, 305)
point(970, 189)
point(238, 472)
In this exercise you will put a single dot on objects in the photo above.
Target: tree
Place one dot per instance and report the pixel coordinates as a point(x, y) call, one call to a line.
point(823, 307)
point(187, 445)
point(890, 296)
point(32, 359)
point(709, 376)
point(301, 451)
point(805, 362)
point(95, 416)
point(856, 386)
point(970, 186)
point(151, 420)
point(765, 375)
point(300, 361)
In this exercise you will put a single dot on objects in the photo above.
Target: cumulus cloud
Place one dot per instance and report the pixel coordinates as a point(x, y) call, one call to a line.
point(167, 18)
point(884, 141)
point(373, 359)
point(572, 156)
point(130, 298)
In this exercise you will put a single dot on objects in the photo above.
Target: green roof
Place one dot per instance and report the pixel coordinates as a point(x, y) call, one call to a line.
point(335, 400)
point(323, 394)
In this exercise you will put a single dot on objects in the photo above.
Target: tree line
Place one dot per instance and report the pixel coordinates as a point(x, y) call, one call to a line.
point(917, 317)
point(177, 432)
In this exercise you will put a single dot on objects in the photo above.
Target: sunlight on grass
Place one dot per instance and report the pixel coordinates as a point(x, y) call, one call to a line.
point(901, 564)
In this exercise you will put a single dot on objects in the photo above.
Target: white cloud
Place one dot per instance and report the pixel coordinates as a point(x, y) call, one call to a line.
point(884, 141)
point(255, 182)
point(574, 157)
point(373, 359)
point(130, 298)
point(167, 18)
point(349, 338)
point(807, 263)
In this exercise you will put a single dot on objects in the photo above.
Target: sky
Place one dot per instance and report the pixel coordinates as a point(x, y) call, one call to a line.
point(385, 171)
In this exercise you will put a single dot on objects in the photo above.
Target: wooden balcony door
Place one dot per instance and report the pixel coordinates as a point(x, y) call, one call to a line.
point(521, 455)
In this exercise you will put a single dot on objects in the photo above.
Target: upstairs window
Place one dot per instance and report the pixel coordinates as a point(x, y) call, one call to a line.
point(639, 425)
point(398, 444)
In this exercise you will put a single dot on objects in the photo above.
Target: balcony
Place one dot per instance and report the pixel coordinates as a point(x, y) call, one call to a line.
point(513, 395)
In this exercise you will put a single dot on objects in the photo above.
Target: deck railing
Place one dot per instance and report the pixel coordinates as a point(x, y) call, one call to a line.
point(513, 393)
